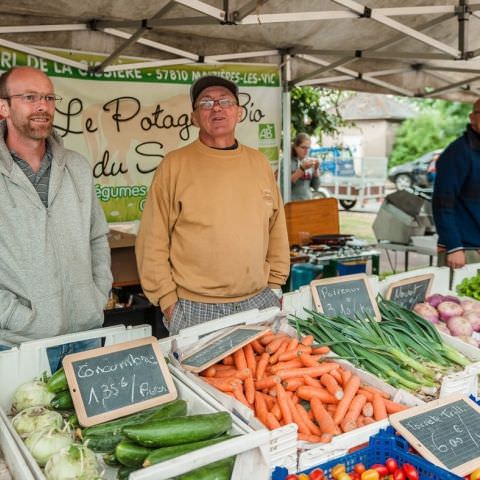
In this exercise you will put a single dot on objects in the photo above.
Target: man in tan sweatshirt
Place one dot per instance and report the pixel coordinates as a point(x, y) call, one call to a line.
point(213, 238)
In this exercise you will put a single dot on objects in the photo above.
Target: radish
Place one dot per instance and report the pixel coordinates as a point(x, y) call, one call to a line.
point(448, 310)
point(435, 299)
point(426, 311)
point(459, 326)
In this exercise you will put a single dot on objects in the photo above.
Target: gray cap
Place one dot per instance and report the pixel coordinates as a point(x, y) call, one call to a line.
point(211, 81)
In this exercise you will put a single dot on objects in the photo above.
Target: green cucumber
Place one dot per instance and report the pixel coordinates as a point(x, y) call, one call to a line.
point(103, 443)
point(57, 382)
point(170, 409)
point(179, 430)
point(111, 460)
point(167, 453)
point(131, 454)
point(221, 470)
point(124, 472)
point(62, 401)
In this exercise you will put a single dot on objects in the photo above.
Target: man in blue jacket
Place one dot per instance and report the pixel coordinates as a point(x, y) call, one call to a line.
point(54, 255)
point(456, 198)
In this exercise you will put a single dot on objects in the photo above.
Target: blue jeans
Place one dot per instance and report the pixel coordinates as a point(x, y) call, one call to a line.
point(56, 354)
point(4, 347)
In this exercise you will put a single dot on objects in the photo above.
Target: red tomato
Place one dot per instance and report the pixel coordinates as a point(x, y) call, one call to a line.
point(302, 476)
point(292, 476)
point(475, 475)
point(381, 469)
point(316, 474)
point(398, 474)
point(410, 472)
point(354, 476)
point(359, 468)
point(370, 474)
point(391, 464)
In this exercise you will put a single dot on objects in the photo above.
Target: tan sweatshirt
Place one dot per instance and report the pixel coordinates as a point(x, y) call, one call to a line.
point(213, 228)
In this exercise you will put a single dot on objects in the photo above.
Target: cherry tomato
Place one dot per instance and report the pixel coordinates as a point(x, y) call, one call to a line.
point(292, 476)
point(302, 476)
point(398, 474)
point(355, 476)
point(316, 474)
point(370, 474)
point(391, 464)
point(410, 472)
point(381, 469)
point(337, 470)
point(475, 475)
point(359, 468)
point(344, 476)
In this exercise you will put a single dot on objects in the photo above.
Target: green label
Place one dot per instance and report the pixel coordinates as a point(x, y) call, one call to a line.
point(266, 131)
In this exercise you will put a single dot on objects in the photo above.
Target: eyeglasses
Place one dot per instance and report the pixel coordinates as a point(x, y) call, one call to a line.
point(208, 103)
point(305, 147)
point(50, 98)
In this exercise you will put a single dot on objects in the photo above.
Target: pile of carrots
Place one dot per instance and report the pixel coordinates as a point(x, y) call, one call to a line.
point(284, 380)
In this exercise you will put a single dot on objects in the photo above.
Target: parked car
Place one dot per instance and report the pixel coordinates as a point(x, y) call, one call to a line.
point(419, 172)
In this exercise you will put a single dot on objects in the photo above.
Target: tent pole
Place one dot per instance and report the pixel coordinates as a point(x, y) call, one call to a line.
point(286, 118)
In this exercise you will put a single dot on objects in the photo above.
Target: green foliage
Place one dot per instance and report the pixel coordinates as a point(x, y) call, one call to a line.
point(438, 124)
point(315, 111)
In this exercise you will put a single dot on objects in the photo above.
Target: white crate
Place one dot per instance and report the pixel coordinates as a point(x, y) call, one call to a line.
point(468, 271)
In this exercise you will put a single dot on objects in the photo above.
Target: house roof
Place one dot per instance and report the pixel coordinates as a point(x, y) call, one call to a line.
point(368, 106)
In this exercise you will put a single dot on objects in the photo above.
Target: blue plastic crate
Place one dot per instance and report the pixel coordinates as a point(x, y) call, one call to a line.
point(381, 446)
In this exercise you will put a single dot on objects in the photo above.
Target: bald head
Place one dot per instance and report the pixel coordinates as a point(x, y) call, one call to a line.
point(21, 76)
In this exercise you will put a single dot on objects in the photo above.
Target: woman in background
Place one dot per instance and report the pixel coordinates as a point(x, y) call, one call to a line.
point(305, 173)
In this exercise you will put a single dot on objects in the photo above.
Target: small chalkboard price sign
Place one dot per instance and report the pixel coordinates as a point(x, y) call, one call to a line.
point(446, 432)
point(410, 291)
point(221, 346)
point(349, 295)
point(111, 382)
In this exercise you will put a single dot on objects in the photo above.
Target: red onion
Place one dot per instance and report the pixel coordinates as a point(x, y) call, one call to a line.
point(474, 318)
point(448, 310)
point(459, 326)
point(426, 311)
point(451, 298)
point(435, 299)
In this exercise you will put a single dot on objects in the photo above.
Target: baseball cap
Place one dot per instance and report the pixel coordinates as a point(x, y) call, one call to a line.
point(211, 81)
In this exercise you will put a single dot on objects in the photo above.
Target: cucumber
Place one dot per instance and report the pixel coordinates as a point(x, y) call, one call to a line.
point(111, 460)
point(103, 443)
point(170, 409)
point(131, 454)
point(57, 382)
point(166, 453)
point(221, 470)
point(124, 472)
point(72, 420)
point(62, 401)
point(179, 430)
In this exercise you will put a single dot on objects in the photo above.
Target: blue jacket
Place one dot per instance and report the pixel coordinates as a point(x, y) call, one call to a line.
point(456, 194)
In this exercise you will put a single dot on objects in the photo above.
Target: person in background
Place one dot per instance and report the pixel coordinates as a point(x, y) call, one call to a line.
point(213, 238)
point(305, 173)
point(456, 197)
point(54, 256)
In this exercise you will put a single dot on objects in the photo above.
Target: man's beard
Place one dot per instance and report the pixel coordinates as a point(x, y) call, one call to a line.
point(37, 131)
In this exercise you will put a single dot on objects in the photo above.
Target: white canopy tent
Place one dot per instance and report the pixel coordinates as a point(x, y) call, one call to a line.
point(416, 48)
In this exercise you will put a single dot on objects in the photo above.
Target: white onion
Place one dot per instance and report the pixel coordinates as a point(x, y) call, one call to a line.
point(447, 310)
point(31, 394)
point(459, 326)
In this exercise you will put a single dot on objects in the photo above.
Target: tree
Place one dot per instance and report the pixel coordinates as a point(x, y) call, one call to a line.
point(438, 123)
point(315, 111)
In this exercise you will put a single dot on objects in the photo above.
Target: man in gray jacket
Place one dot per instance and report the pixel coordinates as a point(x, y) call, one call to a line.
point(54, 256)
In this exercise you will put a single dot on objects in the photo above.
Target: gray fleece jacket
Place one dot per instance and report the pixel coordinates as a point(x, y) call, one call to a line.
point(54, 262)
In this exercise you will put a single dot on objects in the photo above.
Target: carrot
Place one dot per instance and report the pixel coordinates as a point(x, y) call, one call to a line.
point(224, 385)
point(331, 385)
point(305, 417)
point(226, 372)
point(368, 394)
point(250, 358)
point(346, 375)
point(294, 397)
point(320, 350)
point(311, 371)
point(280, 350)
point(322, 417)
point(286, 365)
point(262, 365)
point(209, 372)
point(326, 438)
point(275, 410)
point(367, 410)
point(292, 383)
point(219, 367)
point(393, 407)
point(228, 360)
point(307, 340)
point(331, 408)
point(349, 392)
point(306, 392)
point(309, 360)
point(261, 409)
point(349, 421)
point(239, 359)
point(282, 400)
point(374, 390)
point(292, 345)
point(239, 395)
point(379, 409)
point(337, 375)
point(266, 382)
point(249, 387)
point(275, 344)
point(271, 421)
point(368, 420)
point(297, 418)
point(288, 355)
point(257, 347)
point(270, 401)
point(268, 337)
point(313, 382)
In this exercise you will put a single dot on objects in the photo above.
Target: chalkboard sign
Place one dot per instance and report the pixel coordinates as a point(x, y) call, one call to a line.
point(445, 432)
point(410, 291)
point(349, 295)
point(111, 382)
point(221, 346)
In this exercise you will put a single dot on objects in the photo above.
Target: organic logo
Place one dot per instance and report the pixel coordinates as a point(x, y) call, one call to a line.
point(266, 131)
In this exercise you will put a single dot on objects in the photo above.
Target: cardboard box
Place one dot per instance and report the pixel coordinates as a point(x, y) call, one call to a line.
point(124, 266)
